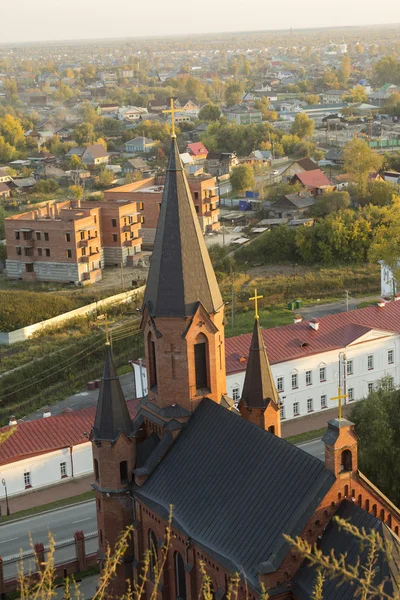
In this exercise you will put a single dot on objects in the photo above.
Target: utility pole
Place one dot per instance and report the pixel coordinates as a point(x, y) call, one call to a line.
point(122, 274)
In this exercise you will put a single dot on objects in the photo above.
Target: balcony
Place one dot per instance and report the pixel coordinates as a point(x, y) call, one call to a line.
point(84, 259)
point(83, 243)
point(127, 228)
point(132, 243)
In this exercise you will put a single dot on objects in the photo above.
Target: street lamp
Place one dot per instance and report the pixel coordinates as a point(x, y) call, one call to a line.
point(3, 481)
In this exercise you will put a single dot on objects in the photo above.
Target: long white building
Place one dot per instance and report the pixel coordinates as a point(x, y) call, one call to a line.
point(310, 359)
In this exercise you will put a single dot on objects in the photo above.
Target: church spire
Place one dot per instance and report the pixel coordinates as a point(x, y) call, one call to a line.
point(181, 274)
point(112, 415)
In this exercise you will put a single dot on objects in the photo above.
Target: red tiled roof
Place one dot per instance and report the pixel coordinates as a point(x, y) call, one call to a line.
point(313, 179)
point(299, 340)
point(32, 438)
point(197, 148)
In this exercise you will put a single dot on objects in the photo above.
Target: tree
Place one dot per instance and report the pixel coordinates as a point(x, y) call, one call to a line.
point(242, 178)
point(12, 131)
point(312, 99)
point(385, 243)
point(84, 133)
point(345, 70)
point(75, 162)
point(233, 94)
point(359, 161)
point(209, 112)
point(106, 177)
point(377, 421)
point(7, 152)
point(330, 202)
point(46, 186)
point(387, 70)
point(303, 126)
point(356, 94)
point(76, 191)
point(330, 79)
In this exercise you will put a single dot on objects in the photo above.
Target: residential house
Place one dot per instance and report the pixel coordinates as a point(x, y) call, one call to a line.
point(4, 176)
point(132, 113)
point(188, 105)
point(5, 191)
point(242, 114)
point(221, 163)
point(335, 155)
point(140, 144)
point(135, 166)
point(197, 150)
point(315, 181)
point(108, 110)
point(298, 166)
point(156, 106)
point(292, 206)
point(92, 155)
point(381, 97)
point(332, 96)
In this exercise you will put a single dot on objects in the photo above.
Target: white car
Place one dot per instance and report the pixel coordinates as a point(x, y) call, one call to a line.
point(275, 172)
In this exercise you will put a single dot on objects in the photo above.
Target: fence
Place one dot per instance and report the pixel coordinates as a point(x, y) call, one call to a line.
point(20, 335)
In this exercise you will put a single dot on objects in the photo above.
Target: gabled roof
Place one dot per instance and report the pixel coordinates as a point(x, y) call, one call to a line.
point(312, 179)
point(298, 340)
point(181, 274)
point(4, 187)
point(259, 387)
point(197, 148)
point(220, 477)
point(112, 415)
point(32, 438)
point(307, 164)
point(96, 150)
point(341, 542)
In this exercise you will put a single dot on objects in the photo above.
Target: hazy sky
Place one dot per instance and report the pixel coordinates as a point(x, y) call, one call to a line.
point(31, 20)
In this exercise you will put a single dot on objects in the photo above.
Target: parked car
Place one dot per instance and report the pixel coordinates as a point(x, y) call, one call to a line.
point(326, 163)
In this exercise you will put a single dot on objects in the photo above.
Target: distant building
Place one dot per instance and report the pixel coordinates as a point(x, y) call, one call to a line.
point(292, 206)
point(243, 115)
point(93, 155)
point(140, 144)
point(221, 163)
point(315, 181)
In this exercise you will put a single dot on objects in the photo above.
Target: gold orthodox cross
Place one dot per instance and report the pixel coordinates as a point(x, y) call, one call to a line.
point(105, 320)
point(172, 111)
point(256, 299)
point(339, 398)
point(172, 352)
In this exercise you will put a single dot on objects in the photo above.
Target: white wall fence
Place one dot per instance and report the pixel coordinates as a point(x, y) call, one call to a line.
point(20, 335)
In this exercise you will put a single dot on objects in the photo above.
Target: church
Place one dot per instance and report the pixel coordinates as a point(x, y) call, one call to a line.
point(235, 486)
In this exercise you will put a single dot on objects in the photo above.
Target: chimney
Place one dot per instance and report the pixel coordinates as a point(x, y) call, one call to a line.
point(78, 203)
point(297, 319)
point(46, 412)
point(13, 420)
point(48, 211)
point(314, 324)
point(381, 303)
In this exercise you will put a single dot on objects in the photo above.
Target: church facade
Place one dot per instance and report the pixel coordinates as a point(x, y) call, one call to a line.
point(235, 487)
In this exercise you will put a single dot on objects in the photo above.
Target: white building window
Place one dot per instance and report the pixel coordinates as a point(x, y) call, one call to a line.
point(63, 469)
point(310, 405)
point(322, 374)
point(282, 410)
point(236, 394)
point(370, 388)
point(296, 410)
point(27, 479)
point(323, 401)
point(370, 362)
point(294, 381)
point(349, 367)
point(279, 384)
point(390, 357)
point(390, 383)
point(350, 394)
point(308, 378)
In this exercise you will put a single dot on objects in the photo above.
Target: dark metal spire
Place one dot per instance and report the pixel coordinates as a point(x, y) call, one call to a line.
point(181, 274)
point(112, 415)
point(259, 387)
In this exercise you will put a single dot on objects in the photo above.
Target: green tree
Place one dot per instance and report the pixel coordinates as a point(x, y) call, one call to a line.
point(75, 162)
point(386, 70)
point(242, 178)
point(7, 152)
point(345, 70)
point(106, 177)
point(84, 133)
point(359, 161)
point(330, 79)
point(385, 243)
point(76, 191)
point(303, 126)
point(46, 186)
point(12, 131)
point(209, 112)
point(233, 94)
point(377, 421)
point(330, 202)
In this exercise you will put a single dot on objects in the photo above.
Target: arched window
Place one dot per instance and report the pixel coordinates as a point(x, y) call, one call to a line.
point(153, 554)
point(346, 461)
point(359, 500)
point(180, 578)
point(123, 471)
point(367, 505)
point(374, 510)
point(346, 491)
point(271, 429)
point(96, 469)
point(200, 361)
point(152, 361)
point(382, 515)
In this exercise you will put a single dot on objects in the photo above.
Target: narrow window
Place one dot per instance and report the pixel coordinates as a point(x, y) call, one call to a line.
point(294, 381)
point(152, 362)
point(346, 461)
point(69, 253)
point(115, 237)
point(236, 394)
point(40, 251)
point(180, 576)
point(47, 251)
point(27, 479)
point(96, 469)
point(17, 235)
point(123, 471)
point(114, 222)
point(67, 237)
point(38, 236)
point(296, 411)
point(323, 401)
point(390, 357)
point(63, 469)
point(322, 374)
point(350, 394)
point(46, 237)
point(308, 378)
point(200, 362)
point(349, 367)
point(279, 384)
point(370, 387)
point(370, 362)
point(282, 411)
point(19, 250)
point(310, 405)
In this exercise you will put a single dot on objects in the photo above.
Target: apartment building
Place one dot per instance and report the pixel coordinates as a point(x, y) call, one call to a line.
point(147, 194)
point(69, 242)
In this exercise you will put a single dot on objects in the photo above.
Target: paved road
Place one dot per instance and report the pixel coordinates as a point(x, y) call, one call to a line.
point(331, 308)
point(62, 524)
point(315, 447)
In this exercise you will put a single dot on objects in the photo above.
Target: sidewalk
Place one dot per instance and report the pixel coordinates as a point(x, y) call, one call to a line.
point(61, 491)
point(310, 422)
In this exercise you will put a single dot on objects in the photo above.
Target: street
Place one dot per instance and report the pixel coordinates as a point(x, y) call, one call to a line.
point(314, 447)
point(62, 524)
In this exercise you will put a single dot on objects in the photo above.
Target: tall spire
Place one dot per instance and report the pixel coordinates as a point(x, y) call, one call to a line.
point(259, 387)
point(181, 274)
point(112, 415)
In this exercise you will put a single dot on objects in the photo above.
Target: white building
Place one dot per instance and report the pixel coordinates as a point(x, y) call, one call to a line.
point(388, 282)
point(309, 359)
point(47, 451)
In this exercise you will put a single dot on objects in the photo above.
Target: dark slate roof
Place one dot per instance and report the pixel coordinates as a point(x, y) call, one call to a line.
point(236, 489)
point(341, 542)
point(259, 387)
point(112, 415)
point(181, 274)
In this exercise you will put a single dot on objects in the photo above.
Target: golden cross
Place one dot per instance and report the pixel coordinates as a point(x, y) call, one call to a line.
point(256, 298)
point(104, 318)
point(339, 398)
point(172, 111)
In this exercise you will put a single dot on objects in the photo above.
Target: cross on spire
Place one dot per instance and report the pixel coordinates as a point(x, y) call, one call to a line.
point(172, 111)
point(104, 319)
point(256, 299)
point(339, 398)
